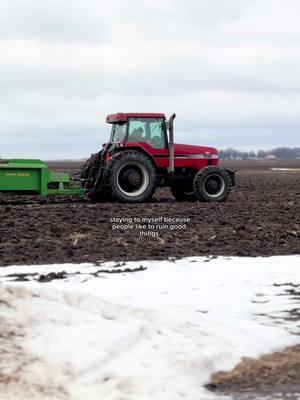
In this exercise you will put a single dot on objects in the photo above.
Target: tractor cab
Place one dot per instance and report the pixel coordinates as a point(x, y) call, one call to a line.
point(142, 128)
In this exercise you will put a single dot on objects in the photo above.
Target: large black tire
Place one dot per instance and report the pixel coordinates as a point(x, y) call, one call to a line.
point(129, 177)
point(212, 184)
point(183, 193)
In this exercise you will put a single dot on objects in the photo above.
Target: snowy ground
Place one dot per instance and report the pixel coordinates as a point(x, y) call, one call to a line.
point(285, 169)
point(158, 333)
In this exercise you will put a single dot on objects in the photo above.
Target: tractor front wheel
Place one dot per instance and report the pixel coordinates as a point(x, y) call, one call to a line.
point(212, 184)
point(130, 177)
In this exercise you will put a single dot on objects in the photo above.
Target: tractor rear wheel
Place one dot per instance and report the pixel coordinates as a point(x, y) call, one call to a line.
point(212, 184)
point(183, 193)
point(130, 177)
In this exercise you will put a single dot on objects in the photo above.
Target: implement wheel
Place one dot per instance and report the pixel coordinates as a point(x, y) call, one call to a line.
point(89, 170)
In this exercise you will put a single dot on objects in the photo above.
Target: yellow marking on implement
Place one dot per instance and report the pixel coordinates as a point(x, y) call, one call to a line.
point(20, 174)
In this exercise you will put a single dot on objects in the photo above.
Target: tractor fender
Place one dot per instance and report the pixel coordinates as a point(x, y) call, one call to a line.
point(135, 148)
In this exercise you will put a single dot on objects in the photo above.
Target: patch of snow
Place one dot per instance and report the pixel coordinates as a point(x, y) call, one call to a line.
point(285, 169)
point(158, 333)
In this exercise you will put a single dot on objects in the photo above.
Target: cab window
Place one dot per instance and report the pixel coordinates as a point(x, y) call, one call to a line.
point(148, 130)
point(118, 132)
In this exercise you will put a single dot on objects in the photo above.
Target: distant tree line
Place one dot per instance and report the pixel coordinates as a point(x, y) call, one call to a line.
point(279, 152)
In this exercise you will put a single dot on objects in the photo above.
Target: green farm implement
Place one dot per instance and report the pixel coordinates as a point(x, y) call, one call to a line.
point(34, 177)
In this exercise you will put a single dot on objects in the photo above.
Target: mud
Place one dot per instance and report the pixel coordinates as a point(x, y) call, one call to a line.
point(260, 218)
point(272, 376)
point(118, 268)
point(279, 370)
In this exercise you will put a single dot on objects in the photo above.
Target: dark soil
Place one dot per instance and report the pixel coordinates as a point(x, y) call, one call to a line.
point(280, 370)
point(260, 218)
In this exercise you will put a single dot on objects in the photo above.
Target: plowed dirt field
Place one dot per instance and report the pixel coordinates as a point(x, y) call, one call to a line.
point(260, 218)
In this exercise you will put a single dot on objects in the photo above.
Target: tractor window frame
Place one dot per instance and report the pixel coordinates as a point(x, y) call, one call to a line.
point(149, 120)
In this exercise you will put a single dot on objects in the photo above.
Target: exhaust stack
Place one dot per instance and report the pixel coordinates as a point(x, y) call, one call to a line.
point(171, 144)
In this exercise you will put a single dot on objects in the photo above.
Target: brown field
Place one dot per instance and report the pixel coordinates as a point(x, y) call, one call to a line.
point(260, 218)
point(260, 165)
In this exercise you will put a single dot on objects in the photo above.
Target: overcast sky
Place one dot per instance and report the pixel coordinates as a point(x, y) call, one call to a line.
point(230, 69)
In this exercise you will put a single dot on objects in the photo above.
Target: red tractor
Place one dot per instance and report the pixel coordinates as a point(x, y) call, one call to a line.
point(141, 156)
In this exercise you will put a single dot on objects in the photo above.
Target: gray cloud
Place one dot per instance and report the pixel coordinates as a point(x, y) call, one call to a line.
point(53, 21)
point(229, 69)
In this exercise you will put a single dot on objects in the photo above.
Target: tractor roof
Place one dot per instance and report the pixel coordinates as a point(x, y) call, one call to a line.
point(123, 117)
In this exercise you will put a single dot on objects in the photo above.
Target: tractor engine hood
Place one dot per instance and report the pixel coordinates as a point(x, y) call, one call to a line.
point(195, 151)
